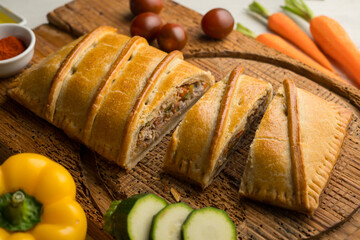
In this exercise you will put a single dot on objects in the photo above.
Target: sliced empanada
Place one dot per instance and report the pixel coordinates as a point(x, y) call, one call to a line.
point(116, 94)
point(199, 146)
point(295, 148)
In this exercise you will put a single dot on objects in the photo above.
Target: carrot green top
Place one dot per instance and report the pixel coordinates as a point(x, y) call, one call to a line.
point(299, 8)
point(259, 9)
point(244, 30)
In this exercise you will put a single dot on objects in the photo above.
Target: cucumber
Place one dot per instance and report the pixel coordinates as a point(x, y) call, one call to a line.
point(133, 216)
point(208, 223)
point(109, 224)
point(167, 223)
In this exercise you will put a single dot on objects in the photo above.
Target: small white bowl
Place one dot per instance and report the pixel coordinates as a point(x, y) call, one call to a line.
point(11, 66)
point(15, 17)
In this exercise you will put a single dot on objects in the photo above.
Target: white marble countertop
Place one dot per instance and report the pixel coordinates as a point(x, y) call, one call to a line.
point(344, 11)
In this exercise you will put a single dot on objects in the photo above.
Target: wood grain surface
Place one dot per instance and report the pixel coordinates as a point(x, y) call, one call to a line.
point(99, 182)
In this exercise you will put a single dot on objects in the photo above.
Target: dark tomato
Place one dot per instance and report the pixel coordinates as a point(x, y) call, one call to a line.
point(217, 23)
point(140, 6)
point(172, 37)
point(146, 25)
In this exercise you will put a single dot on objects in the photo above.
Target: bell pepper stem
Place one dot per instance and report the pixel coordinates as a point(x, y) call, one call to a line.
point(17, 199)
point(14, 211)
point(20, 211)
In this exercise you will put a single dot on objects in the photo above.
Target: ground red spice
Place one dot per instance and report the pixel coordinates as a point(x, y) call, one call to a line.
point(10, 47)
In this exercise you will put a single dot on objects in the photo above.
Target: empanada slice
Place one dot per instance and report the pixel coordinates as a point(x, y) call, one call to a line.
point(295, 148)
point(199, 146)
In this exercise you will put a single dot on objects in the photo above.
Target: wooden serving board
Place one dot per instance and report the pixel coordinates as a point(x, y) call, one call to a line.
point(99, 182)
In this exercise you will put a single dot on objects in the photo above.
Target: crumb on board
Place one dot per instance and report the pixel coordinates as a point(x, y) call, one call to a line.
point(176, 195)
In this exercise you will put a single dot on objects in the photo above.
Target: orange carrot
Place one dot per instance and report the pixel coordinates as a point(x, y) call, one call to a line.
point(331, 37)
point(278, 43)
point(287, 28)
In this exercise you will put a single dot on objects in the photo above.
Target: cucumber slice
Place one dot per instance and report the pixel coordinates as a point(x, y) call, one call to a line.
point(208, 223)
point(133, 216)
point(109, 224)
point(167, 223)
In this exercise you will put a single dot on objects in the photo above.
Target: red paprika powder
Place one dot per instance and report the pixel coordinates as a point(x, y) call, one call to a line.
point(10, 47)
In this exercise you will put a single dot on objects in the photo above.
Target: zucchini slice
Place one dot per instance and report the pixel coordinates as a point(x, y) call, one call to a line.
point(109, 224)
point(209, 224)
point(133, 216)
point(167, 223)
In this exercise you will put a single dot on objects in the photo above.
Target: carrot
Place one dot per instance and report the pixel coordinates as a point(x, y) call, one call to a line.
point(278, 43)
point(331, 37)
point(287, 28)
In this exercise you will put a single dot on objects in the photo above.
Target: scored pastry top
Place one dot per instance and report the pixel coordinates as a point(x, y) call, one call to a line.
point(68, 66)
point(292, 111)
point(295, 148)
point(102, 82)
point(210, 129)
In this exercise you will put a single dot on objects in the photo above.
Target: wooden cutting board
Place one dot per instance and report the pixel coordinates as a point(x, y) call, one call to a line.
point(99, 182)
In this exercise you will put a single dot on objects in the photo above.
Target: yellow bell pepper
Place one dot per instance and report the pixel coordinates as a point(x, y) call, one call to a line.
point(37, 201)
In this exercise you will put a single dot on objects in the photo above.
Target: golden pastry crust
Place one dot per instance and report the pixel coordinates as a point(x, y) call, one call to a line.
point(113, 78)
point(68, 66)
point(292, 172)
point(172, 72)
point(298, 174)
point(80, 88)
point(90, 87)
point(31, 88)
point(198, 148)
point(132, 123)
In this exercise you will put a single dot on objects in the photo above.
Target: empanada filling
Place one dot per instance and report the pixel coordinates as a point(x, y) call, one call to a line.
point(169, 110)
point(253, 117)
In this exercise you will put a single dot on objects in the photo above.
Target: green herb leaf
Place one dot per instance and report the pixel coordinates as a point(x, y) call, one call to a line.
point(168, 108)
